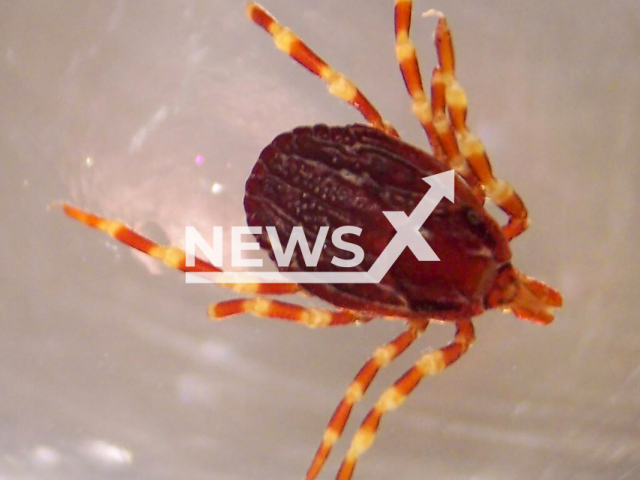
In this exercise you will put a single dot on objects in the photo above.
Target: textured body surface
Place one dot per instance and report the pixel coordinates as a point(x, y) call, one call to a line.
point(337, 176)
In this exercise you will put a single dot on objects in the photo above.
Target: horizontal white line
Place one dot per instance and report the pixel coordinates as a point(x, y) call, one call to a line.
point(280, 277)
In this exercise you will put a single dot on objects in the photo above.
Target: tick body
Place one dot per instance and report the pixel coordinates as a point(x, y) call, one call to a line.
point(334, 176)
point(341, 176)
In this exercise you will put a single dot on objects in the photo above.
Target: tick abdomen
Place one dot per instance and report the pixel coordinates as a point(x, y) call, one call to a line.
point(347, 176)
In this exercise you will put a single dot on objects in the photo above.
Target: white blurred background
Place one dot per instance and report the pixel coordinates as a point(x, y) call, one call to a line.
point(154, 112)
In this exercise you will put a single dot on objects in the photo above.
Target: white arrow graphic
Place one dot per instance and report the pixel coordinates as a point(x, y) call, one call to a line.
point(407, 235)
point(408, 228)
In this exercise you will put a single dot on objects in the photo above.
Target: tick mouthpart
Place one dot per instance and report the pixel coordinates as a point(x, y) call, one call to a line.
point(528, 298)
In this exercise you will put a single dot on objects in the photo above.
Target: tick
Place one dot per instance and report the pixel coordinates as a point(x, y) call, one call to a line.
point(348, 175)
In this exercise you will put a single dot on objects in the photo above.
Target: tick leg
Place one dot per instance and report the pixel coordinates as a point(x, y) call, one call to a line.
point(447, 135)
point(471, 147)
point(445, 147)
point(430, 364)
point(380, 358)
point(339, 85)
point(406, 55)
point(172, 256)
point(265, 308)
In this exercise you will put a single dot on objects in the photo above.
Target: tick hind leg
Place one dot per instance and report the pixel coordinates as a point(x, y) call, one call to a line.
point(339, 85)
point(453, 130)
point(174, 257)
point(430, 364)
point(380, 358)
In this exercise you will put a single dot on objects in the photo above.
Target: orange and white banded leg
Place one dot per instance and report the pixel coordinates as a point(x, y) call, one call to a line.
point(430, 364)
point(382, 357)
point(410, 69)
point(470, 145)
point(339, 85)
point(174, 257)
point(265, 308)
point(447, 136)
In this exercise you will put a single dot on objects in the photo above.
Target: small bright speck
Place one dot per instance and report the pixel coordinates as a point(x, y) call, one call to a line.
point(216, 187)
point(89, 162)
point(108, 453)
point(199, 160)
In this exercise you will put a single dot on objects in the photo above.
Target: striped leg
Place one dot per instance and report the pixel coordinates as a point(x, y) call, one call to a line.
point(430, 114)
point(380, 358)
point(339, 85)
point(265, 308)
point(430, 364)
point(447, 135)
point(406, 55)
point(172, 256)
point(471, 147)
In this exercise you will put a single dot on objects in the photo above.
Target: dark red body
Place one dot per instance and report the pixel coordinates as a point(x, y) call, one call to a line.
point(348, 175)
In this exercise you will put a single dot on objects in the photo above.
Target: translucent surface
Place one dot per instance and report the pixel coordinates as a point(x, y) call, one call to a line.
point(154, 112)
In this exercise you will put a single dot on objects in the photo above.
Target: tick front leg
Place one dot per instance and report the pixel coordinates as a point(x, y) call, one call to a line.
point(382, 357)
point(470, 145)
point(430, 364)
point(174, 257)
point(410, 69)
point(265, 308)
point(339, 85)
point(447, 135)
point(429, 113)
